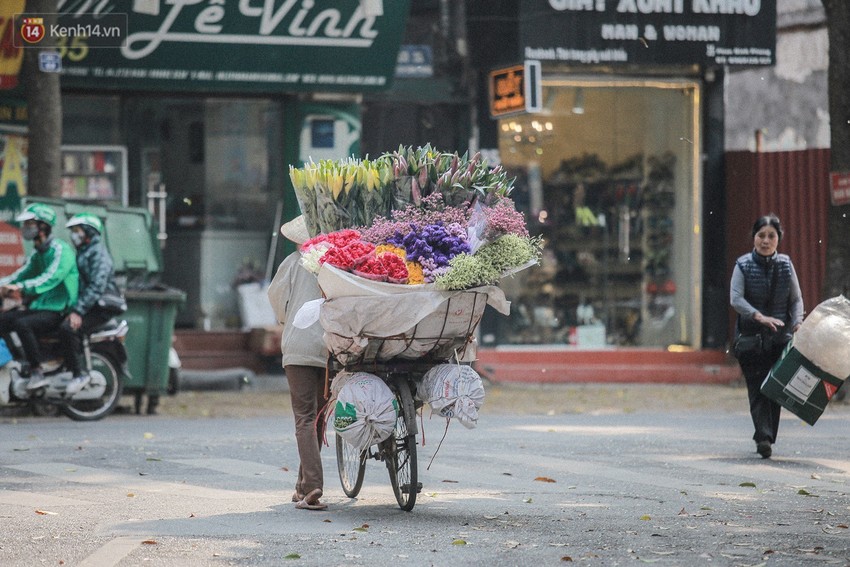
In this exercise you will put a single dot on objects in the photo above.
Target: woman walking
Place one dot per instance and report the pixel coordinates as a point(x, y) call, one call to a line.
point(765, 292)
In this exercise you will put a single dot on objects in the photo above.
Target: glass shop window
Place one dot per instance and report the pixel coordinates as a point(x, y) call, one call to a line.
point(606, 173)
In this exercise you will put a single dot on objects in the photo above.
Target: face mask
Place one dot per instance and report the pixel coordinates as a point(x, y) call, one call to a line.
point(29, 232)
point(76, 238)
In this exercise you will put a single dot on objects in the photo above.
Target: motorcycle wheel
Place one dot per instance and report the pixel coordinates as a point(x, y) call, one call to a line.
point(103, 370)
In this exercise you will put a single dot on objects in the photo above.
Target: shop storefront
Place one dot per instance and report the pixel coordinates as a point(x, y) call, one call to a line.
point(617, 169)
point(201, 110)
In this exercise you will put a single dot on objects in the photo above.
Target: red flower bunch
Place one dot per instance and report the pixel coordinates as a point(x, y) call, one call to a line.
point(372, 269)
point(339, 257)
point(395, 267)
point(338, 239)
point(348, 256)
point(360, 250)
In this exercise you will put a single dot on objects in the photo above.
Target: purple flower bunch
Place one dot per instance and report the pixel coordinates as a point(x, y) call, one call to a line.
point(432, 245)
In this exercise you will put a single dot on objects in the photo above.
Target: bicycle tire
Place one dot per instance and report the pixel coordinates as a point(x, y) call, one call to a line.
point(401, 451)
point(351, 465)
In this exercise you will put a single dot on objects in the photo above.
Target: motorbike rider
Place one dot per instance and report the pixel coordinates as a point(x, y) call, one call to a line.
point(46, 284)
point(99, 296)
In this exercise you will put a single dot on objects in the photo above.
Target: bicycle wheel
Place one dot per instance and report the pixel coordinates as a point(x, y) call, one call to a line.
point(400, 451)
point(351, 465)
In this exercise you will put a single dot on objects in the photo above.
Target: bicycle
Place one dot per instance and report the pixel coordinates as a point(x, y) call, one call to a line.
point(398, 451)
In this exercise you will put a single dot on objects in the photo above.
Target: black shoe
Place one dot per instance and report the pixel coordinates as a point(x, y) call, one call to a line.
point(763, 449)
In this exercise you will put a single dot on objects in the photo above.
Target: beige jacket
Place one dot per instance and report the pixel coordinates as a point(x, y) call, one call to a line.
point(290, 288)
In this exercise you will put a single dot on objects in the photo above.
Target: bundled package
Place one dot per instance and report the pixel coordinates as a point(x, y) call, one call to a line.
point(365, 411)
point(453, 390)
point(815, 363)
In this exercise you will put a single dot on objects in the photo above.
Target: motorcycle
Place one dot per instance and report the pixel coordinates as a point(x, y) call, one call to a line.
point(105, 361)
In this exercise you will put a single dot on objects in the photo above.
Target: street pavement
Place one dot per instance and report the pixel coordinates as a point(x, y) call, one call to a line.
point(590, 474)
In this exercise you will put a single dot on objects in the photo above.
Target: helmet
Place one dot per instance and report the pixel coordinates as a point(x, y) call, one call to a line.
point(86, 219)
point(39, 212)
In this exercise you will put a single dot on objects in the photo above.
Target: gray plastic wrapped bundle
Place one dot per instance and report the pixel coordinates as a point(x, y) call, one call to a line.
point(453, 390)
point(824, 337)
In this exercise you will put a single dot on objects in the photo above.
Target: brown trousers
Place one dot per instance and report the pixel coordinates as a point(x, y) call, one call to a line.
point(307, 391)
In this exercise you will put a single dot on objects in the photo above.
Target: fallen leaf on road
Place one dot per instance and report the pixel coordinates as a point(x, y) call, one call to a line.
point(545, 479)
point(284, 469)
point(512, 544)
point(148, 436)
point(21, 449)
point(748, 484)
point(815, 476)
point(453, 481)
point(527, 500)
point(150, 542)
point(46, 513)
point(566, 558)
point(130, 495)
point(804, 492)
point(459, 542)
point(70, 470)
point(646, 517)
point(326, 521)
point(682, 512)
point(292, 556)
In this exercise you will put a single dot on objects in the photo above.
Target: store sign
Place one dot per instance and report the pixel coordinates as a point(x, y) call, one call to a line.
point(246, 46)
point(649, 32)
point(516, 89)
point(840, 188)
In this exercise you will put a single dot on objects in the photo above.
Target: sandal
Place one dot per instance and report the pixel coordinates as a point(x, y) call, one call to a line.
point(311, 501)
point(296, 496)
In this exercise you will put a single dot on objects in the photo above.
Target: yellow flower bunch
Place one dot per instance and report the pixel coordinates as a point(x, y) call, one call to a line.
point(414, 273)
point(400, 252)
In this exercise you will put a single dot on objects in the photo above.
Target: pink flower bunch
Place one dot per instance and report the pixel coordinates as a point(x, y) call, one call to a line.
point(502, 218)
point(432, 211)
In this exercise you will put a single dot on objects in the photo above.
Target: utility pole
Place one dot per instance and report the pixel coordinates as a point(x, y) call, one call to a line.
point(44, 110)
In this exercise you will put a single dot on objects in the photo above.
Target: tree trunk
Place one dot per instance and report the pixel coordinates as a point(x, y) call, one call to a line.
point(44, 109)
point(837, 277)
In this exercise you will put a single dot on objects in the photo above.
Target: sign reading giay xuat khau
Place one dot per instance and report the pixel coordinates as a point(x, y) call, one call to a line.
point(649, 32)
point(246, 46)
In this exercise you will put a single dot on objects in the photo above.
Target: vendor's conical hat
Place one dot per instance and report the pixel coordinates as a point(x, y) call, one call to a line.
point(296, 230)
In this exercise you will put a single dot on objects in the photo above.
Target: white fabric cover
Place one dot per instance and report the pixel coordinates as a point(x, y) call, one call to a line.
point(366, 320)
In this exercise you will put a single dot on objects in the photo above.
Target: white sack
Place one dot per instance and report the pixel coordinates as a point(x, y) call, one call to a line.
point(453, 390)
point(824, 337)
point(366, 409)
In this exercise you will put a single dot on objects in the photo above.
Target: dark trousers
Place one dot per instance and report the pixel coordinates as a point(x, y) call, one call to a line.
point(28, 324)
point(307, 391)
point(72, 340)
point(763, 410)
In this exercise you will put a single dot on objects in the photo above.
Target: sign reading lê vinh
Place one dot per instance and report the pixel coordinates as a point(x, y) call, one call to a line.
point(248, 46)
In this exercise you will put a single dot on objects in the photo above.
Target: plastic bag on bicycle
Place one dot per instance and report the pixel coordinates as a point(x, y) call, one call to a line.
point(365, 411)
point(453, 390)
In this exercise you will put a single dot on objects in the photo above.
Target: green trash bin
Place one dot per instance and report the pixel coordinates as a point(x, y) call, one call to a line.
point(151, 313)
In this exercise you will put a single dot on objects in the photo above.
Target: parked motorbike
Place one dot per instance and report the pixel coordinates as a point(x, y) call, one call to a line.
point(106, 363)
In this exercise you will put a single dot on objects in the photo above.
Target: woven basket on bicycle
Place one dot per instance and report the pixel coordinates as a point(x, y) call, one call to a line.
point(367, 321)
